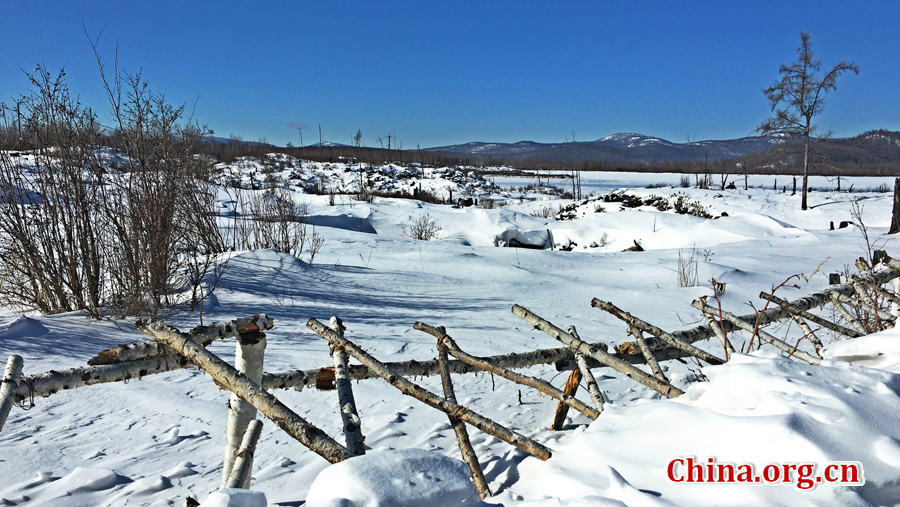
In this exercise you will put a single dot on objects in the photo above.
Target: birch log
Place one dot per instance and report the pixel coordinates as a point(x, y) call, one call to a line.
point(577, 345)
point(408, 388)
point(229, 378)
point(249, 357)
point(536, 383)
point(562, 410)
point(793, 310)
point(808, 334)
point(847, 316)
point(895, 301)
point(815, 300)
point(596, 394)
point(716, 326)
point(648, 355)
point(10, 386)
point(243, 460)
point(204, 335)
point(459, 427)
point(785, 347)
point(667, 338)
point(349, 416)
point(866, 307)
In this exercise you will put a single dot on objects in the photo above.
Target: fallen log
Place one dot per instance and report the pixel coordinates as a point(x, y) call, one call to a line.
point(349, 416)
point(668, 338)
point(204, 335)
point(249, 357)
point(836, 302)
point(793, 310)
point(647, 353)
point(577, 345)
point(410, 389)
point(243, 460)
point(9, 386)
point(229, 378)
point(459, 428)
point(596, 394)
point(808, 334)
point(533, 382)
point(785, 347)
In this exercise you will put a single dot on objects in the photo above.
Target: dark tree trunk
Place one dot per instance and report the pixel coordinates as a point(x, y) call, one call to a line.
point(895, 216)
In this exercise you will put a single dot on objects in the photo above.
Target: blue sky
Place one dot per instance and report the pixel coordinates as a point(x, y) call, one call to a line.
point(433, 73)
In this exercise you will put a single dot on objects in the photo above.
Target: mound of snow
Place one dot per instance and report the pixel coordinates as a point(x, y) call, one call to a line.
point(755, 409)
point(401, 478)
point(235, 498)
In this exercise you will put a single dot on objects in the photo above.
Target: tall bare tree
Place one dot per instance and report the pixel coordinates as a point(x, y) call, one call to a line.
point(799, 96)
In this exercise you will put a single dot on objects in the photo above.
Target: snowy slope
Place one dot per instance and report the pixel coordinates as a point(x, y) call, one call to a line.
point(158, 440)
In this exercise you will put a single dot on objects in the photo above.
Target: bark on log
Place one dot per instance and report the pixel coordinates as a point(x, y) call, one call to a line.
point(533, 382)
point(406, 387)
point(349, 417)
point(249, 357)
point(895, 301)
point(562, 410)
point(847, 316)
point(648, 355)
point(229, 378)
point(808, 333)
point(716, 326)
point(867, 307)
point(785, 347)
point(815, 300)
point(668, 338)
point(10, 385)
point(52, 382)
point(597, 395)
point(793, 310)
point(577, 345)
point(204, 335)
point(459, 428)
point(243, 461)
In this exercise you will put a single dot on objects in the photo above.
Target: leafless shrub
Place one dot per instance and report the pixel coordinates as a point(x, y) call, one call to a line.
point(687, 268)
point(422, 228)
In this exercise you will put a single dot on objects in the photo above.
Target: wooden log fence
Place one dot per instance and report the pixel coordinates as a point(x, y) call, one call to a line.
point(349, 416)
point(243, 459)
point(425, 396)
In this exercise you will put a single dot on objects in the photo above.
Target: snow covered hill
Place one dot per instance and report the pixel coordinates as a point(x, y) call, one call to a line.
point(158, 440)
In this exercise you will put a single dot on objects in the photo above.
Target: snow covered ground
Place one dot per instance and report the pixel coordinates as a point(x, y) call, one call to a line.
point(158, 440)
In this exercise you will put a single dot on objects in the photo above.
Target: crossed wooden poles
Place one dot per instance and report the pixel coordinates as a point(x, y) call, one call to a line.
point(172, 349)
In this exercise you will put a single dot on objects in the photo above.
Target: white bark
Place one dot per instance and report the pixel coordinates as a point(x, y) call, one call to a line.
point(536, 383)
point(349, 416)
point(793, 310)
point(410, 389)
point(596, 394)
point(459, 427)
point(808, 333)
point(228, 378)
point(243, 460)
point(847, 316)
point(577, 345)
point(10, 386)
point(865, 304)
point(249, 357)
point(723, 338)
point(668, 338)
point(204, 335)
point(648, 355)
point(895, 301)
point(785, 347)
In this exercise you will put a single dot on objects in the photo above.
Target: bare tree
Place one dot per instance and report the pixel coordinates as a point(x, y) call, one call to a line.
point(799, 96)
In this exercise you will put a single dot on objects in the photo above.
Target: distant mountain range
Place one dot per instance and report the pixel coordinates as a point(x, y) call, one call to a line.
point(873, 148)
point(621, 148)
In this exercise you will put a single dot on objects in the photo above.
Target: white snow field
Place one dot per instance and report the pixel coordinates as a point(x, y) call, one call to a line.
point(159, 440)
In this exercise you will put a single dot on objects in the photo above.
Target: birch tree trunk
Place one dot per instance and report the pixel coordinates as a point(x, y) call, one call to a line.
point(895, 302)
point(10, 386)
point(229, 378)
point(406, 387)
point(349, 416)
point(846, 315)
point(459, 427)
point(577, 345)
point(808, 333)
point(717, 327)
point(536, 383)
point(249, 357)
point(785, 347)
point(243, 460)
point(648, 355)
